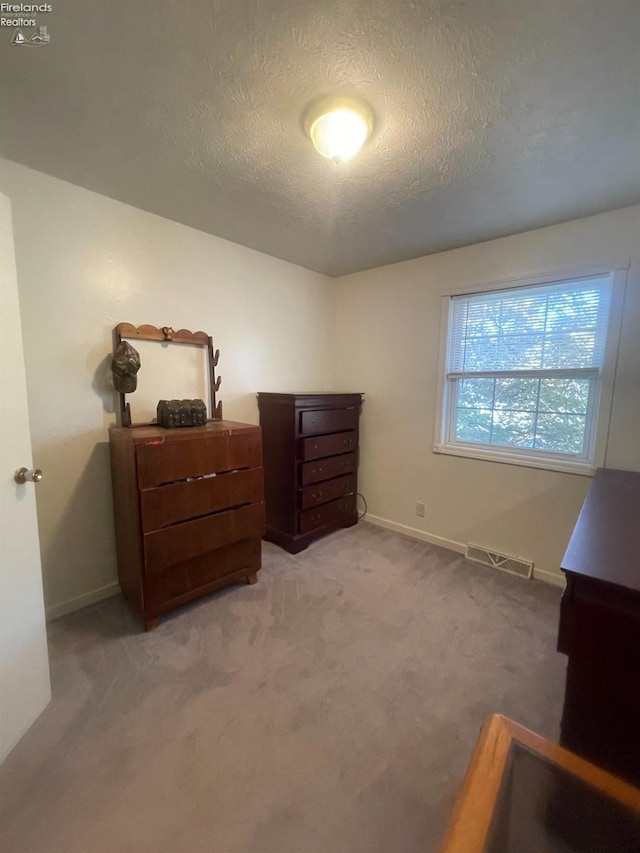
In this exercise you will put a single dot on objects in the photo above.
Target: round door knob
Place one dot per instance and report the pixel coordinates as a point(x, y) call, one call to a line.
point(23, 475)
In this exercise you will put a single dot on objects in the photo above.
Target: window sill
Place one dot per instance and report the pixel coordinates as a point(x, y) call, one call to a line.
point(583, 469)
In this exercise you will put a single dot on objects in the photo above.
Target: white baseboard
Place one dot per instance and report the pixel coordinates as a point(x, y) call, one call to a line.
point(451, 545)
point(80, 601)
point(414, 533)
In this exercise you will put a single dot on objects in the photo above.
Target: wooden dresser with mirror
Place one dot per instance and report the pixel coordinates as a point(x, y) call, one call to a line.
point(188, 502)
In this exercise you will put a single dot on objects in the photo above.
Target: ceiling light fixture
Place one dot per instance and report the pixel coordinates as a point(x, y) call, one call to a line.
point(339, 127)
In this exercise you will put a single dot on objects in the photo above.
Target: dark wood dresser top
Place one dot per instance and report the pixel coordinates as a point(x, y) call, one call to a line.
point(605, 544)
point(309, 399)
point(154, 434)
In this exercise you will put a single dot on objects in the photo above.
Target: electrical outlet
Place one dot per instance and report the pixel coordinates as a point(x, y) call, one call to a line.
point(420, 509)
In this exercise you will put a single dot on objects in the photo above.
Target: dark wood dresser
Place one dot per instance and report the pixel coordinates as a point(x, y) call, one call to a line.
point(600, 626)
point(310, 445)
point(189, 511)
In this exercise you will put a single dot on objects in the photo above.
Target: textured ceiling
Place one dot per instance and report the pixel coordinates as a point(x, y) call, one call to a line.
point(493, 116)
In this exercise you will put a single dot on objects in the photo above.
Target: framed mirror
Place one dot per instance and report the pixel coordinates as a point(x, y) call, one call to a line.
point(172, 365)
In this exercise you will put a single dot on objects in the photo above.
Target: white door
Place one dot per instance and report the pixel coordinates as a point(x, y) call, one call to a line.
point(24, 667)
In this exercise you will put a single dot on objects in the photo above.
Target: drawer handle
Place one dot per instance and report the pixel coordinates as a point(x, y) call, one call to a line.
point(315, 516)
point(343, 506)
point(348, 442)
point(345, 463)
point(316, 496)
point(346, 487)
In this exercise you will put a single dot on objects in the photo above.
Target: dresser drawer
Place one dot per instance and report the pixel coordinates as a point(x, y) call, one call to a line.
point(177, 502)
point(163, 462)
point(183, 580)
point(313, 518)
point(327, 445)
point(327, 491)
point(191, 538)
point(328, 420)
point(325, 469)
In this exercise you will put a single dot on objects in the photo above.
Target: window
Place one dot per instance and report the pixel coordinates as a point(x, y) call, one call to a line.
point(523, 372)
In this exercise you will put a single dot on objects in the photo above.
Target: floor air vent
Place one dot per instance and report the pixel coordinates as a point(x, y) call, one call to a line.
point(513, 565)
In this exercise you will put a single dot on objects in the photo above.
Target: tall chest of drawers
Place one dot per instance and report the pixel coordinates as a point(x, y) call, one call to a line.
point(189, 511)
point(310, 446)
point(600, 627)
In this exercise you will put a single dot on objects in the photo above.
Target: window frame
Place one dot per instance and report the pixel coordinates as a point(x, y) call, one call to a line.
point(601, 392)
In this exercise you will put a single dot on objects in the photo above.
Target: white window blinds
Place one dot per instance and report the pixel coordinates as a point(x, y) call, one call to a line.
point(546, 329)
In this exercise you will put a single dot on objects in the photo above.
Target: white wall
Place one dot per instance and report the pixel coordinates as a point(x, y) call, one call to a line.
point(86, 263)
point(386, 333)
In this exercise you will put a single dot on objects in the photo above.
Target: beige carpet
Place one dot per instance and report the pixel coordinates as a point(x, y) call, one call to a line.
point(331, 708)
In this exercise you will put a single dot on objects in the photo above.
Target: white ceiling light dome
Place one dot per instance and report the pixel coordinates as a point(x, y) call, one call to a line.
point(338, 126)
